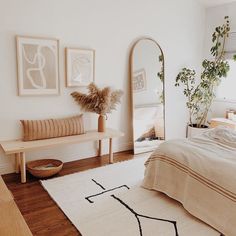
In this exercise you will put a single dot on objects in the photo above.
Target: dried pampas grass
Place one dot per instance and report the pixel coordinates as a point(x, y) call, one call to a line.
point(100, 101)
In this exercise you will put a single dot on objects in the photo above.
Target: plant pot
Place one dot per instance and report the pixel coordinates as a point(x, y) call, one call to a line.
point(101, 123)
point(194, 131)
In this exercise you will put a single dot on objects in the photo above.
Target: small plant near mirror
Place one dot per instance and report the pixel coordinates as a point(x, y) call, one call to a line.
point(200, 95)
point(160, 75)
point(100, 101)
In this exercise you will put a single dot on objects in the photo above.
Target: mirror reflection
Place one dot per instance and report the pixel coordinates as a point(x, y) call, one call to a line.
point(147, 76)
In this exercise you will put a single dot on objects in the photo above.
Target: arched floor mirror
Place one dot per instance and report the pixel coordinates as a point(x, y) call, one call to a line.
point(148, 95)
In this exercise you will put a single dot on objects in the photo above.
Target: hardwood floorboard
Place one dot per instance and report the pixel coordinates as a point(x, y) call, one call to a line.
point(41, 213)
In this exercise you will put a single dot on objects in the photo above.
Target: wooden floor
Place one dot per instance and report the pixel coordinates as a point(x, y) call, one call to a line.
point(42, 215)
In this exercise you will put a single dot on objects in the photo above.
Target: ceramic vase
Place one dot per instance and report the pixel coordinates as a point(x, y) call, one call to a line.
point(101, 123)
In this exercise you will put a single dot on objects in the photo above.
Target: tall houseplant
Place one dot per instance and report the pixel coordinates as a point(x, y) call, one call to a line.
point(200, 96)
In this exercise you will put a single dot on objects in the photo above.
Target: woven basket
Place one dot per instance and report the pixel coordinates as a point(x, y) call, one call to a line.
point(44, 168)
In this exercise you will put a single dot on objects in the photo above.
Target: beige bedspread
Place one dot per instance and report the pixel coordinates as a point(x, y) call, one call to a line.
point(201, 174)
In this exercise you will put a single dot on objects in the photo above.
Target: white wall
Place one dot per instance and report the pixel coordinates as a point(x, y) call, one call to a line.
point(109, 27)
point(214, 17)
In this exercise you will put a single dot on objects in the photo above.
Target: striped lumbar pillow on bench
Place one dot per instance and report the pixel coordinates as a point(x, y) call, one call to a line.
point(52, 128)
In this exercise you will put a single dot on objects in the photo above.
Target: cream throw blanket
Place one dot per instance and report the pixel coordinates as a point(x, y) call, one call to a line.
point(201, 174)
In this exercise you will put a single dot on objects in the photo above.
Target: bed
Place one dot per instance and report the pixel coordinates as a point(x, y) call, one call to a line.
point(200, 173)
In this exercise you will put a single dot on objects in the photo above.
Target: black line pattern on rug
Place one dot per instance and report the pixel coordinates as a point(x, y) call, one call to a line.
point(137, 216)
point(105, 191)
point(98, 184)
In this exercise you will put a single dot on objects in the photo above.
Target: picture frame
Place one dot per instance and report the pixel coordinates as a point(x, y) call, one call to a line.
point(37, 66)
point(80, 67)
point(139, 81)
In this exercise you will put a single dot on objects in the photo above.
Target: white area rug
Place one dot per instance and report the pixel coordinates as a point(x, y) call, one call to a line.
point(108, 201)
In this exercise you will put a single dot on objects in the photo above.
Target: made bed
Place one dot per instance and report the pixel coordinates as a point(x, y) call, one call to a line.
point(201, 174)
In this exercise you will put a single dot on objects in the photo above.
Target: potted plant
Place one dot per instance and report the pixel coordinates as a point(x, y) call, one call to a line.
point(100, 101)
point(200, 95)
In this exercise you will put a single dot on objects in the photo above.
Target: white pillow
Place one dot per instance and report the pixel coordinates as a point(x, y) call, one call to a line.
point(223, 134)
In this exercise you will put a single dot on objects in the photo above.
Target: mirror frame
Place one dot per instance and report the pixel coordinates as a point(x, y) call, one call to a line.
point(131, 60)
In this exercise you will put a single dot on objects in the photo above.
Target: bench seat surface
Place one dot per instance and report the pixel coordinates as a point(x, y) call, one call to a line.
point(17, 146)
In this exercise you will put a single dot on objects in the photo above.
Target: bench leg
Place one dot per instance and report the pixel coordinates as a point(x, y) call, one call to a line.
point(100, 148)
point(17, 163)
point(110, 151)
point(22, 167)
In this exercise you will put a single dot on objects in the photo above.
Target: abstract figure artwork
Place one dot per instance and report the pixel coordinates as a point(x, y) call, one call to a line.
point(37, 66)
point(79, 67)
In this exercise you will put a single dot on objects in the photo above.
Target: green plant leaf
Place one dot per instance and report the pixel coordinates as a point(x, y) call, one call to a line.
point(200, 96)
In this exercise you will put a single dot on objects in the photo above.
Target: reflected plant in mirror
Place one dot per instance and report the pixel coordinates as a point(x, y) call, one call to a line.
point(147, 83)
point(160, 75)
point(200, 96)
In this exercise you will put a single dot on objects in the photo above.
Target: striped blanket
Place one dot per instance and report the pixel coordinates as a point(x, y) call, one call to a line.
point(201, 174)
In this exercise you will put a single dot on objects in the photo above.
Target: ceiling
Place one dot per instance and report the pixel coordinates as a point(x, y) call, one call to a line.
point(212, 3)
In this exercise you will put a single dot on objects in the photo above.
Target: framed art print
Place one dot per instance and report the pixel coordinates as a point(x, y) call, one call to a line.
point(79, 67)
point(38, 66)
point(139, 81)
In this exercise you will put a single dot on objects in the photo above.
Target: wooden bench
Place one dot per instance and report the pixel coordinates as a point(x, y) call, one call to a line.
point(19, 147)
point(12, 222)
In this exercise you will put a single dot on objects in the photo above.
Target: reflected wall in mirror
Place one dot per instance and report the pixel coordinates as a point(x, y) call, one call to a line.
point(147, 85)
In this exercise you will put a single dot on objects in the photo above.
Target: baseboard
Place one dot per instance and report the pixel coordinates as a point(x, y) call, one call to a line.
point(6, 168)
point(123, 147)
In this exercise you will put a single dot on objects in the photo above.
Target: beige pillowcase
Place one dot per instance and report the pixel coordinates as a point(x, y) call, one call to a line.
point(52, 128)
